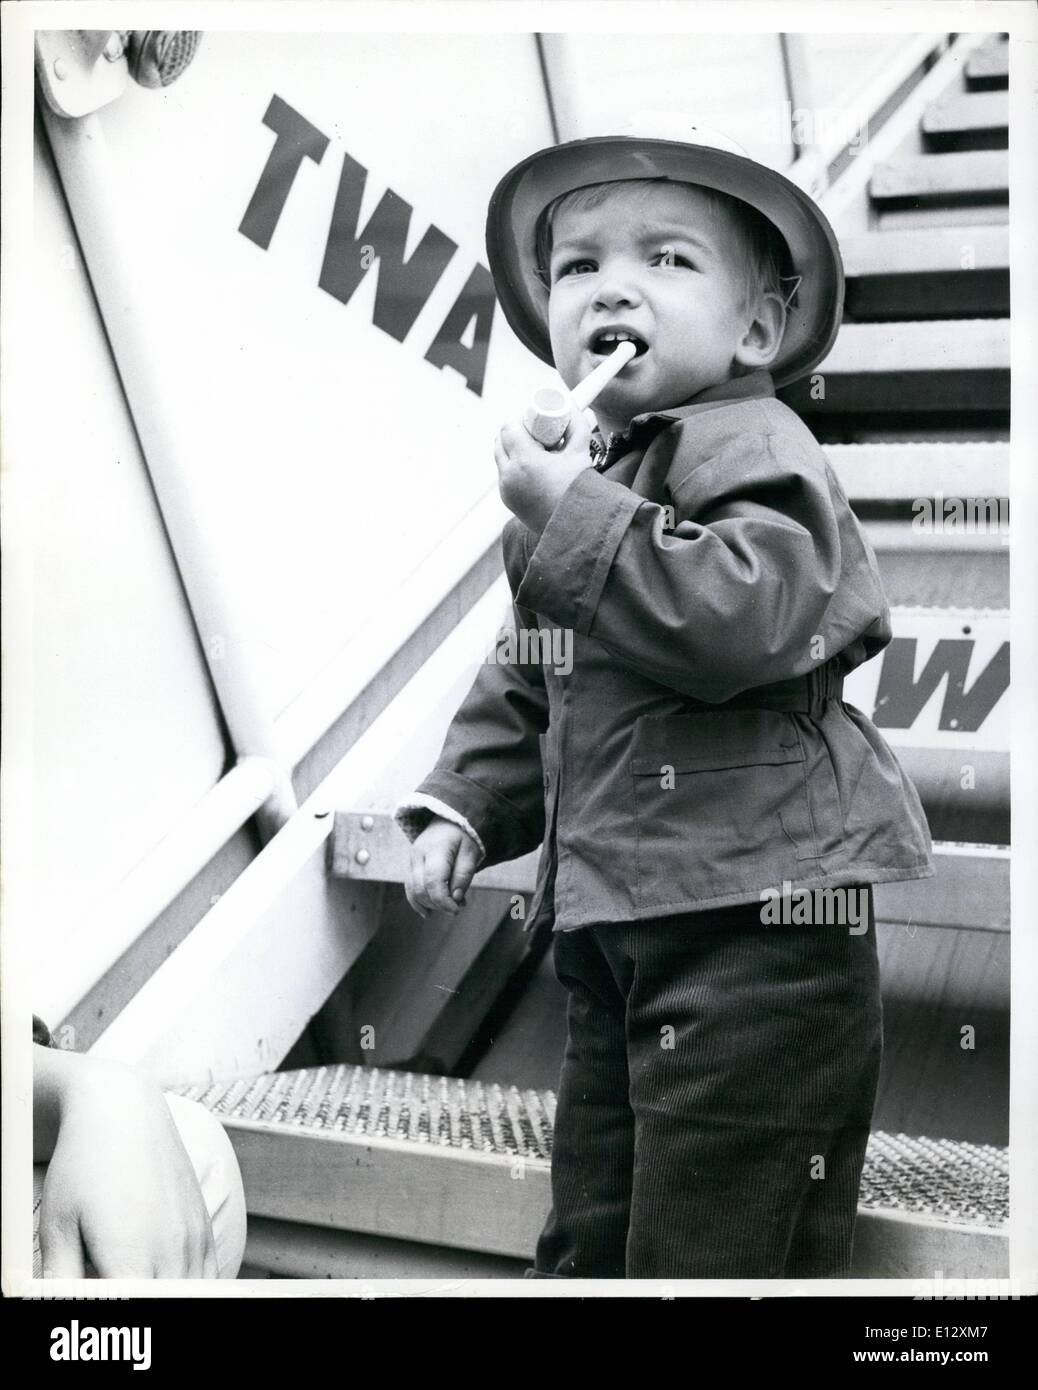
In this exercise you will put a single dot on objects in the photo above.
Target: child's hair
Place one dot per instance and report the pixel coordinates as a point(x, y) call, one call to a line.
point(767, 264)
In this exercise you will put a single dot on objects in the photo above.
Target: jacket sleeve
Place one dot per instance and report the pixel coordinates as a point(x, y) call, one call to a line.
point(734, 596)
point(489, 772)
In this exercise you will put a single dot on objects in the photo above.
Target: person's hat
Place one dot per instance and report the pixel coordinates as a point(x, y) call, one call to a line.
point(652, 146)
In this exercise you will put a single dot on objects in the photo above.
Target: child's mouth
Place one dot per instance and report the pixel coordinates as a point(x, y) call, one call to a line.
point(605, 343)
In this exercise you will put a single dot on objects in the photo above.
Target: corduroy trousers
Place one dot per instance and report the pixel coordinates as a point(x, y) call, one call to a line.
point(715, 1098)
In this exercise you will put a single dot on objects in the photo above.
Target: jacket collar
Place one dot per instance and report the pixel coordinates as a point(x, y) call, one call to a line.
point(753, 386)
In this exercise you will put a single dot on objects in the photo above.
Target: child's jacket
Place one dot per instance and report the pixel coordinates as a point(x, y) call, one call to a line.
point(717, 586)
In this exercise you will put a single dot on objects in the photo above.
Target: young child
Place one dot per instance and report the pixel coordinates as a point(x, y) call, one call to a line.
point(698, 763)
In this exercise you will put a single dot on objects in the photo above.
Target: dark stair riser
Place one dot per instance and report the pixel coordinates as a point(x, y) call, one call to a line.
point(971, 121)
point(966, 294)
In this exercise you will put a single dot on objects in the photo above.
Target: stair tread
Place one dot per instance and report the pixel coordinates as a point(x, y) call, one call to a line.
point(977, 174)
point(919, 345)
point(910, 252)
point(362, 1104)
point(896, 471)
point(891, 218)
point(989, 64)
point(943, 1180)
point(967, 111)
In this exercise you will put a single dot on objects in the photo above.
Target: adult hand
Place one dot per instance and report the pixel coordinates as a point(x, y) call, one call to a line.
point(120, 1191)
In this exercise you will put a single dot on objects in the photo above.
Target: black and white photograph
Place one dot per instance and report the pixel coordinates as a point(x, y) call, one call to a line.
point(507, 629)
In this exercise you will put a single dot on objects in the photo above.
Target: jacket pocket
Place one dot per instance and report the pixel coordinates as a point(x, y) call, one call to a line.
point(721, 805)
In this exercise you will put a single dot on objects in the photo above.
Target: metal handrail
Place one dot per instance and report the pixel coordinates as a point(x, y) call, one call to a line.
point(820, 161)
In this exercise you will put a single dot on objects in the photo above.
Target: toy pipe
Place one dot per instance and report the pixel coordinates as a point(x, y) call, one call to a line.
point(548, 415)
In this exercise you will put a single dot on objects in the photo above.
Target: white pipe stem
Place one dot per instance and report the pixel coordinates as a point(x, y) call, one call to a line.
point(547, 416)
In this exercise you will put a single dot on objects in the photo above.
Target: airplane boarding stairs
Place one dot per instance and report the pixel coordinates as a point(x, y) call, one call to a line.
point(435, 1160)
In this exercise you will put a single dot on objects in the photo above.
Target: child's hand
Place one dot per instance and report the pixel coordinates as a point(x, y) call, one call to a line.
point(532, 479)
point(443, 860)
point(121, 1192)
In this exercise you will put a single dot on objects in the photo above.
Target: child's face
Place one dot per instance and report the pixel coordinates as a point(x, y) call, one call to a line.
point(662, 264)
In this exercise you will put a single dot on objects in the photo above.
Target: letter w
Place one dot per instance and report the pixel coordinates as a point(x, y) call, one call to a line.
point(899, 698)
point(403, 286)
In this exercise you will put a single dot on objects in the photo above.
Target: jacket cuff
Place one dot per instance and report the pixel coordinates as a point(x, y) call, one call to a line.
point(416, 811)
point(499, 825)
point(571, 561)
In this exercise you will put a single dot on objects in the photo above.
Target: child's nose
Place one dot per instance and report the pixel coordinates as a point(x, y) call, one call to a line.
point(619, 284)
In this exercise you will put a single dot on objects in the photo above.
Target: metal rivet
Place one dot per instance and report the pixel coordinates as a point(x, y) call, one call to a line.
point(362, 856)
point(367, 822)
point(60, 69)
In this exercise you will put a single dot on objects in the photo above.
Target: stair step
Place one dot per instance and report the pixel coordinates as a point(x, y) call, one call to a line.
point(920, 578)
point(943, 273)
point(910, 219)
point(405, 1155)
point(921, 346)
point(290, 1250)
point(900, 473)
point(901, 371)
point(944, 1179)
point(972, 177)
point(988, 67)
point(946, 250)
point(333, 1147)
point(968, 121)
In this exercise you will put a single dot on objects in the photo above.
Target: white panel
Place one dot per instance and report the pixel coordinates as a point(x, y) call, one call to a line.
point(334, 456)
point(980, 635)
point(842, 65)
point(124, 738)
point(733, 83)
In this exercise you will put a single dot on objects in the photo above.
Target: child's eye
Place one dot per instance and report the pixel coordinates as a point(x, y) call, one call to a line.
point(569, 266)
point(666, 255)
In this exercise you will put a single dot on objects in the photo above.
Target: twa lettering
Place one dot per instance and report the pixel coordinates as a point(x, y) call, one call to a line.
point(78, 1343)
point(942, 681)
point(900, 697)
point(402, 287)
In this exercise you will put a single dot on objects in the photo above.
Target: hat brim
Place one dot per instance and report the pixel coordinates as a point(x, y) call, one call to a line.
point(528, 188)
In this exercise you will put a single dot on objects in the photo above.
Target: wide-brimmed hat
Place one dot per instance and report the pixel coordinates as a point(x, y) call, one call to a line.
point(650, 146)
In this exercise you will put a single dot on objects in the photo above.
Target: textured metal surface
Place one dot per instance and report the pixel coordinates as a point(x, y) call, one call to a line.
point(157, 57)
point(369, 1103)
point(942, 1180)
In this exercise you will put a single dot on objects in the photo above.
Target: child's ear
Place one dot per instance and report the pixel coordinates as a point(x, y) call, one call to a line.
point(763, 337)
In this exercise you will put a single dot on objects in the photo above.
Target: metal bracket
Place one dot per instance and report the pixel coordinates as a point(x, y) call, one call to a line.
point(370, 846)
point(81, 70)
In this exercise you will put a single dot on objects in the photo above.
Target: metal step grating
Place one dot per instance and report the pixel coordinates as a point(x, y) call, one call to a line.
point(371, 1103)
point(941, 1180)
